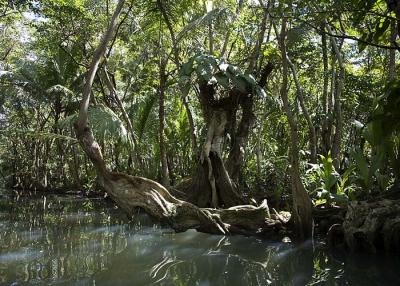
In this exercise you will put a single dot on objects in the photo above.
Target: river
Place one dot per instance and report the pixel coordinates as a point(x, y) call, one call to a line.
point(71, 240)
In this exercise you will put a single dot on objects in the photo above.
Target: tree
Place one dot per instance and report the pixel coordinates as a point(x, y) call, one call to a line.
point(131, 192)
point(302, 208)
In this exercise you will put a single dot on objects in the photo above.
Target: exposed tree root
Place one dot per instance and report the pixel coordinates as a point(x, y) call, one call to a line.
point(132, 192)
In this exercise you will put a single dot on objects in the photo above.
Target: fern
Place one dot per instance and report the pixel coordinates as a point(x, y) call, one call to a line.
point(143, 115)
point(202, 20)
point(40, 135)
point(104, 122)
point(58, 88)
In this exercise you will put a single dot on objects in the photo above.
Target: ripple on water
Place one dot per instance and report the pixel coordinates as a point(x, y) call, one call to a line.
point(24, 254)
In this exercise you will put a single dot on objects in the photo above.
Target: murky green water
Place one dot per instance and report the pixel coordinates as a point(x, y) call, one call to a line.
point(77, 241)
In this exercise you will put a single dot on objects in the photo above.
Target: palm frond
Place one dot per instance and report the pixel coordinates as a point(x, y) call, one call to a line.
point(41, 135)
point(58, 88)
point(202, 20)
point(104, 122)
point(144, 115)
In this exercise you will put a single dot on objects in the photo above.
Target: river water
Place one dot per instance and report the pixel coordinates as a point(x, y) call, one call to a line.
point(70, 240)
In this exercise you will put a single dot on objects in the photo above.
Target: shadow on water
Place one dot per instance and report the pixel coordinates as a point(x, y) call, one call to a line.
point(78, 241)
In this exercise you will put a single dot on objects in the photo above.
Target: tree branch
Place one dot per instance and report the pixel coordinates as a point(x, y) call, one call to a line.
point(83, 116)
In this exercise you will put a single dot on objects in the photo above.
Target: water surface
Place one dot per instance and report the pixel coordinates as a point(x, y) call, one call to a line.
point(70, 240)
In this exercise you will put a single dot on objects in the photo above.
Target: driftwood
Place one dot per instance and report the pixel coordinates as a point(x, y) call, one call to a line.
point(131, 192)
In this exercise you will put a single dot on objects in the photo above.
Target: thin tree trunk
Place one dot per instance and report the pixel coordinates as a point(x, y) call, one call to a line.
point(325, 130)
point(302, 207)
point(260, 40)
point(313, 137)
point(113, 91)
point(337, 139)
point(211, 37)
point(161, 115)
point(392, 52)
point(228, 33)
point(191, 127)
point(176, 60)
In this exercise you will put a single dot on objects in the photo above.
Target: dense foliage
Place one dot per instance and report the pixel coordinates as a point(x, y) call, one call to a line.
point(342, 89)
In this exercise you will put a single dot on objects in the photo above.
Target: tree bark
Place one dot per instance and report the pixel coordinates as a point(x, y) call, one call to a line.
point(212, 184)
point(260, 39)
point(302, 207)
point(370, 226)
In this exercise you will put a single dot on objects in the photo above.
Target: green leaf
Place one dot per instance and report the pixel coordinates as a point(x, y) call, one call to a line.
point(187, 68)
point(362, 166)
point(222, 79)
point(381, 28)
point(144, 115)
point(240, 83)
point(250, 79)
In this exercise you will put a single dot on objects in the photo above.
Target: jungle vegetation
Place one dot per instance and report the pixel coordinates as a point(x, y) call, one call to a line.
point(221, 116)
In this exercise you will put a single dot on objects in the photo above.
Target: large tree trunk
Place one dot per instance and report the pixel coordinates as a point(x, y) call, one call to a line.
point(213, 185)
point(216, 182)
point(131, 192)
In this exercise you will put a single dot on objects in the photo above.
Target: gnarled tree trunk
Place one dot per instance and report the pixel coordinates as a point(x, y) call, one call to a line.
point(212, 183)
point(216, 182)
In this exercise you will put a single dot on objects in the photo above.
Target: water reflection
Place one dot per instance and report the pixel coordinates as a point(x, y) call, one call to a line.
point(76, 241)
